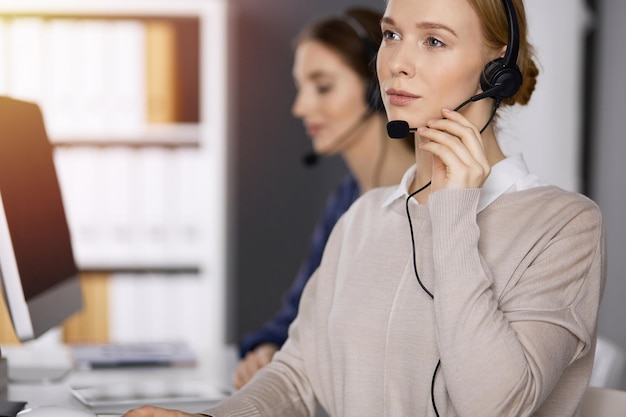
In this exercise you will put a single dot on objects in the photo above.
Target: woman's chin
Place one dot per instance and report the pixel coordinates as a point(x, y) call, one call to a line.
point(398, 115)
point(325, 147)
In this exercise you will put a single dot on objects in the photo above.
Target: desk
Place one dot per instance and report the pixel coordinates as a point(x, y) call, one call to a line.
point(214, 367)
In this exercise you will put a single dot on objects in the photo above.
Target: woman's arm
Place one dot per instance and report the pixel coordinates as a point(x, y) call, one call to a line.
point(503, 354)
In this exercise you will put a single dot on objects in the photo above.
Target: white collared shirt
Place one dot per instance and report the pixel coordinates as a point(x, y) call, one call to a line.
point(510, 174)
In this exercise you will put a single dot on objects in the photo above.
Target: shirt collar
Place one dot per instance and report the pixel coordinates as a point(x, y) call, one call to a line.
point(402, 189)
point(505, 175)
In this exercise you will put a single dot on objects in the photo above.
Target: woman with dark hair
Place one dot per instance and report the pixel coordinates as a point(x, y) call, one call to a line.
point(338, 101)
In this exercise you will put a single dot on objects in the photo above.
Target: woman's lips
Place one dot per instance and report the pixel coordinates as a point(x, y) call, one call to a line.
point(400, 97)
point(313, 130)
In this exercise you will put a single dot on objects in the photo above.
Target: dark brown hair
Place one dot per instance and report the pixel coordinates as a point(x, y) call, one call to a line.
point(338, 34)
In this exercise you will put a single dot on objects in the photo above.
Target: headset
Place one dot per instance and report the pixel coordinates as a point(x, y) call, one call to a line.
point(502, 77)
point(373, 96)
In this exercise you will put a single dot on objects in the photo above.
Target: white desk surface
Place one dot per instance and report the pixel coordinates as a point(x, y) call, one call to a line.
point(214, 367)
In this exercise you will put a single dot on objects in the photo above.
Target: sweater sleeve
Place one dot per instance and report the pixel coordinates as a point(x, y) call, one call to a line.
point(503, 354)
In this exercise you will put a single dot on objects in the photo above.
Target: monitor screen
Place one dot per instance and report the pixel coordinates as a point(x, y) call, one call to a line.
point(39, 276)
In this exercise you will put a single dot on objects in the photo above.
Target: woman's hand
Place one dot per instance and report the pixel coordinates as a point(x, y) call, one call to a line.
point(252, 362)
point(459, 158)
point(149, 411)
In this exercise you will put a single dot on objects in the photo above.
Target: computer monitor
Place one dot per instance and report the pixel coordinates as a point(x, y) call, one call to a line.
point(39, 275)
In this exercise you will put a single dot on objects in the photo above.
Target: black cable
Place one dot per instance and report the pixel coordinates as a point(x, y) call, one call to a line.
point(496, 104)
point(432, 388)
point(419, 281)
point(465, 103)
point(408, 215)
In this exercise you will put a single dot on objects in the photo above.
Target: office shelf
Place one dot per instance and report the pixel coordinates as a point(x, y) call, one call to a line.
point(133, 97)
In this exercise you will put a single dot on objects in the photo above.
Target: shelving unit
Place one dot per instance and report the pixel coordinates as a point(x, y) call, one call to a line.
point(133, 96)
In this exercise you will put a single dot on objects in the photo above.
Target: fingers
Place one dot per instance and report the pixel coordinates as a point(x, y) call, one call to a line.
point(266, 353)
point(251, 363)
point(150, 411)
point(460, 160)
point(244, 371)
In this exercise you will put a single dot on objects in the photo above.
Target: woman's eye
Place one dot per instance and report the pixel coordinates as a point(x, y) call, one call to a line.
point(434, 43)
point(323, 89)
point(389, 35)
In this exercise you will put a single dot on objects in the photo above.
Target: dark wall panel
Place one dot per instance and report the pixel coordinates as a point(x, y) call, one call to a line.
point(275, 200)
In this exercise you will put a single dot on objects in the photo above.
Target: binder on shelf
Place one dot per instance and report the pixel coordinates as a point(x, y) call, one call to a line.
point(137, 314)
point(126, 103)
point(91, 56)
point(24, 58)
point(3, 53)
point(118, 201)
point(91, 324)
point(161, 72)
point(59, 105)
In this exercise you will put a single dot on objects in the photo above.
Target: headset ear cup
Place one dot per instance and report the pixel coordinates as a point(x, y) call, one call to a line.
point(489, 73)
point(504, 80)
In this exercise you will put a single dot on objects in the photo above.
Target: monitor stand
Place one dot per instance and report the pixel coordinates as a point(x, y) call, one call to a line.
point(4, 374)
point(37, 374)
point(36, 363)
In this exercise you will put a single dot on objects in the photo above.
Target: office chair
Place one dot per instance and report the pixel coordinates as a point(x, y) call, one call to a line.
point(608, 365)
point(603, 402)
point(601, 398)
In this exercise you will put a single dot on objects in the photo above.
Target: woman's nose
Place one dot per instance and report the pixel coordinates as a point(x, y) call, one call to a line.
point(402, 60)
point(299, 106)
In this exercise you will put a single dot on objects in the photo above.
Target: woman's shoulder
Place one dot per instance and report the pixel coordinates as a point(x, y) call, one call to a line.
point(368, 215)
point(375, 197)
point(550, 194)
point(371, 205)
point(549, 201)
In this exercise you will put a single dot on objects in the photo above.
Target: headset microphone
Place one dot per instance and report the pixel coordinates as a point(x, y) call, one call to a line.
point(399, 129)
point(310, 159)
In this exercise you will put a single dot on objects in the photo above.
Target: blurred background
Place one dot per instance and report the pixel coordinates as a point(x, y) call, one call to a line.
point(246, 203)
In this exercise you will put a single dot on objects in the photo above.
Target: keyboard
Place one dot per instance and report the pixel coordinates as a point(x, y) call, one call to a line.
point(118, 355)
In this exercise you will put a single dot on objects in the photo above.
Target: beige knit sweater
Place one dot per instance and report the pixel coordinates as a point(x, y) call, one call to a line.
point(513, 320)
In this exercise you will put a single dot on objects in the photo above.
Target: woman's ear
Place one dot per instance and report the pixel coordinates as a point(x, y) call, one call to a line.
point(502, 52)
